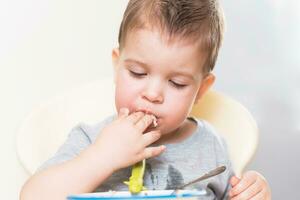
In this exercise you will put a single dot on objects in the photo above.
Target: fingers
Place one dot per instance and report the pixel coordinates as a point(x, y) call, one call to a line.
point(141, 120)
point(150, 152)
point(247, 180)
point(135, 117)
point(258, 196)
point(261, 195)
point(123, 112)
point(144, 122)
point(150, 137)
point(251, 191)
point(234, 180)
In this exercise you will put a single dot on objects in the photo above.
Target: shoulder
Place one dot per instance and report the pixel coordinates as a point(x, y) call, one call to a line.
point(212, 139)
point(207, 131)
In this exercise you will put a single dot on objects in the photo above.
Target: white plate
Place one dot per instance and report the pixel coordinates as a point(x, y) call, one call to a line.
point(150, 194)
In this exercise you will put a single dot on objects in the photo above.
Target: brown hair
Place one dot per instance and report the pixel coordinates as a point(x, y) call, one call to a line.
point(191, 20)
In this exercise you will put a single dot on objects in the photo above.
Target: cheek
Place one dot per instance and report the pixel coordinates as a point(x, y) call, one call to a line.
point(125, 93)
point(121, 98)
point(180, 108)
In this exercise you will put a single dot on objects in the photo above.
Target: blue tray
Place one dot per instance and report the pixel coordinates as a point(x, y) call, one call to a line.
point(150, 194)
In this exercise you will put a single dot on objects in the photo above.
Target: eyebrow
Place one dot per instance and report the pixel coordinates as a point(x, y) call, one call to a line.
point(190, 76)
point(137, 62)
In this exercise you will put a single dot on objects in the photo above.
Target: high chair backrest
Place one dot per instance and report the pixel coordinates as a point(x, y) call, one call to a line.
point(48, 125)
point(234, 122)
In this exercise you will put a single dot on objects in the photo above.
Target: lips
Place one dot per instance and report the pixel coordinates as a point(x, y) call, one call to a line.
point(149, 112)
point(155, 123)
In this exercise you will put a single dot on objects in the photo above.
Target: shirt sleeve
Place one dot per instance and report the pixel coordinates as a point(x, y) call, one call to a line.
point(77, 141)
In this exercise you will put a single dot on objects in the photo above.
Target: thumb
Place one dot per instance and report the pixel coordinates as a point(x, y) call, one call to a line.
point(123, 112)
point(234, 180)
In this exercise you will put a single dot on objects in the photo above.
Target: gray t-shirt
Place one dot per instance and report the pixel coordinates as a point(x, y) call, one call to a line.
point(182, 162)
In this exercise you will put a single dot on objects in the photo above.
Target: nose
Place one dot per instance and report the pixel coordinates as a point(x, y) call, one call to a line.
point(153, 93)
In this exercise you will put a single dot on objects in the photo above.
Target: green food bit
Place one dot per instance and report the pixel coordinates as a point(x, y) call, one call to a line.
point(135, 183)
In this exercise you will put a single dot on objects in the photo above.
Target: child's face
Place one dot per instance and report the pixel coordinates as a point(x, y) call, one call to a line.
point(164, 80)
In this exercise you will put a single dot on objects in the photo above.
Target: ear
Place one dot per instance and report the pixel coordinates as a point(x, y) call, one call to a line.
point(115, 55)
point(206, 83)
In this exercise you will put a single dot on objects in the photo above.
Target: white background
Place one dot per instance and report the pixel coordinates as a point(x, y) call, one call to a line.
point(49, 47)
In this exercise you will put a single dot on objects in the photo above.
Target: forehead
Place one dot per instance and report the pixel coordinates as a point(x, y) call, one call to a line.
point(153, 48)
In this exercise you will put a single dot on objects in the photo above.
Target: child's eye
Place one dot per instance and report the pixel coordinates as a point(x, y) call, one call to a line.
point(137, 74)
point(178, 85)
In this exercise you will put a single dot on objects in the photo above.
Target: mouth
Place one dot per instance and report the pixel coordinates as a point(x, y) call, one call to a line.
point(149, 112)
point(155, 123)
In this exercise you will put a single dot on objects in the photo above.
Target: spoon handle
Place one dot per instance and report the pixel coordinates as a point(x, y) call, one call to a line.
point(207, 175)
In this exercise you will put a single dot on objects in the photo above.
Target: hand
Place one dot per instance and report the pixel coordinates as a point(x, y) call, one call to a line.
point(252, 186)
point(123, 142)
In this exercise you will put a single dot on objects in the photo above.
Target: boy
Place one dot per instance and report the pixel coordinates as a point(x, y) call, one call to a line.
point(167, 49)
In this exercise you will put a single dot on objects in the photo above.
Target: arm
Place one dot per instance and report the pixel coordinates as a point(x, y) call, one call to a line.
point(120, 144)
point(79, 175)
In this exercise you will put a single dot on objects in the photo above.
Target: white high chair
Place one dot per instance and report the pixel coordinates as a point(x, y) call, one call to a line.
point(47, 126)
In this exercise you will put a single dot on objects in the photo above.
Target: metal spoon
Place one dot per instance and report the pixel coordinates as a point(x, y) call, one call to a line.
point(207, 175)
